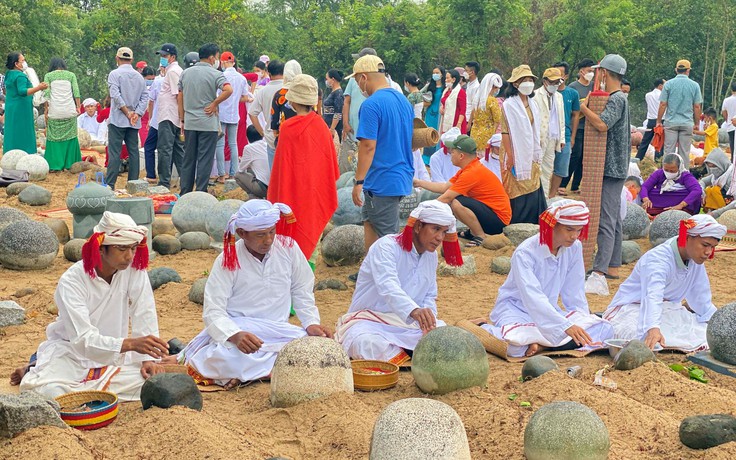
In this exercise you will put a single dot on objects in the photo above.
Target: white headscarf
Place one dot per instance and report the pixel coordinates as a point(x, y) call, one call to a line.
point(255, 215)
point(435, 212)
point(704, 225)
point(120, 229)
point(671, 184)
point(291, 69)
point(490, 80)
point(449, 136)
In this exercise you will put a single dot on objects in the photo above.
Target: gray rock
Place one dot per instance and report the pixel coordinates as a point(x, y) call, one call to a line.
point(176, 346)
point(11, 314)
point(721, 334)
point(196, 292)
point(27, 410)
point(10, 215)
point(158, 190)
point(73, 249)
point(16, 187)
point(35, 196)
point(495, 242)
point(630, 252)
point(28, 245)
point(449, 358)
point(467, 268)
point(344, 246)
point(170, 389)
point(408, 204)
point(191, 211)
point(11, 157)
point(728, 219)
point(345, 180)
point(23, 292)
point(166, 245)
point(419, 429)
point(706, 431)
point(137, 186)
point(80, 167)
point(60, 229)
point(566, 430)
point(328, 229)
point(633, 355)
point(635, 223)
point(665, 226)
point(332, 284)
point(162, 275)
point(230, 185)
point(194, 241)
point(501, 265)
point(319, 361)
point(346, 213)
point(517, 233)
point(36, 165)
point(218, 217)
point(426, 195)
point(162, 226)
point(536, 366)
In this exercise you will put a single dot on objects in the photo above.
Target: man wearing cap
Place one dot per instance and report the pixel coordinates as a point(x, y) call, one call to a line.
point(546, 269)
point(88, 121)
point(648, 305)
point(250, 290)
point(128, 103)
point(198, 104)
point(394, 303)
point(614, 120)
point(552, 125)
point(583, 85)
point(169, 144)
point(385, 159)
point(230, 115)
point(682, 101)
point(474, 193)
point(140, 65)
point(90, 346)
point(353, 100)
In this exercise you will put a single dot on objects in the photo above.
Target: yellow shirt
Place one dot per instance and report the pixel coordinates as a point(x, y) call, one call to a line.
point(711, 138)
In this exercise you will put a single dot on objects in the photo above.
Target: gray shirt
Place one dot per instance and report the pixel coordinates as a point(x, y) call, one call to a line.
point(618, 143)
point(583, 91)
point(199, 84)
point(127, 89)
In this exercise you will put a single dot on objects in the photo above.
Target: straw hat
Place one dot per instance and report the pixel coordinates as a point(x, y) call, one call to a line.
point(303, 90)
point(520, 72)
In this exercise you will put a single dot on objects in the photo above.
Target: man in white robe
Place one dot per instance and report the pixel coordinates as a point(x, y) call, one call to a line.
point(88, 346)
point(247, 299)
point(441, 168)
point(648, 305)
point(394, 301)
point(88, 121)
point(545, 269)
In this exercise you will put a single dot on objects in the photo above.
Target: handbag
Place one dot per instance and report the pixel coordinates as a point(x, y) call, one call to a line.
point(11, 176)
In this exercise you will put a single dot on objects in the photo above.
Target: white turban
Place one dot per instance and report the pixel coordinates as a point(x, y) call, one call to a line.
point(495, 140)
point(450, 135)
point(89, 101)
point(120, 229)
point(255, 215)
point(704, 225)
point(438, 213)
point(291, 69)
point(565, 212)
point(435, 212)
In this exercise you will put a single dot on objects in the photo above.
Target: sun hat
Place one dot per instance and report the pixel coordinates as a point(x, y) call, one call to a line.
point(303, 90)
point(520, 72)
point(614, 63)
point(368, 64)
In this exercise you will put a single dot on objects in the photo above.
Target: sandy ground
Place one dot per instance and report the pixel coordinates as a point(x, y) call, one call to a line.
point(642, 415)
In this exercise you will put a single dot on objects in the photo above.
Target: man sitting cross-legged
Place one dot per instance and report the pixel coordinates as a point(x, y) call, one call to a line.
point(394, 300)
point(648, 305)
point(249, 292)
point(545, 269)
point(87, 347)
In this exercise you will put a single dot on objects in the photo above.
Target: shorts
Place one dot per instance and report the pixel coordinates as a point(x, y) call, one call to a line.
point(488, 219)
point(382, 212)
point(562, 162)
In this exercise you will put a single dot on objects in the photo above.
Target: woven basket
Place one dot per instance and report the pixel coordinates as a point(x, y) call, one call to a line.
point(102, 409)
point(175, 368)
point(424, 137)
point(365, 381)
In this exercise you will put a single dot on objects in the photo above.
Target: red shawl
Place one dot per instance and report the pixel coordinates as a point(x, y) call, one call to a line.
point(303, 176)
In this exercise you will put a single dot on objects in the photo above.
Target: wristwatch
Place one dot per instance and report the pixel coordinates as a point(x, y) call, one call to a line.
point(359, 182)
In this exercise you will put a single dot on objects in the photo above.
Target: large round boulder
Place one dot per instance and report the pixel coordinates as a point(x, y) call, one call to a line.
point(630, 252)
point(28, 245)
point(162, 275)
point(408, 204)
point(166, 245)
point(191, 211)
point(501, 265)
point(633, 355)
point(426, 195)
point(35, 196)
point(666, 225)
point(344, 245)
point(345, 179)
point(73, 249)
point(309, 368)
point(170, 389)
point(566, 430)
point(196, 292)
point(728, 219)
point(219, 216)
point(517, 233)
point(721, 334)
point(15, 188)
point(635, 223)
point(11, 157)
point(194, 241)
point(162, 226)
point(449, 358)
point(9, 215)
point(60, 229)
point(36, 165)
point(346, 213)
point(419, 429)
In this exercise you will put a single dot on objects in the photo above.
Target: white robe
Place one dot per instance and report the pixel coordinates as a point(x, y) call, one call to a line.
point(527, 310)
point(651, 297)
point(391, 284)
point(88, 335)
point(257, 298)
point(441, 168)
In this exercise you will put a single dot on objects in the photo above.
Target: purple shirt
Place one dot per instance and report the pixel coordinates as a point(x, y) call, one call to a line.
point(691, 194)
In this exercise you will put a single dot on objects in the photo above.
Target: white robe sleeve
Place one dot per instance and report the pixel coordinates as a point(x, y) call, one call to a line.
point(383, 265)
point(699, 300)
point(573, 286)
point(302, 289)
point(217, 291)
point(654, 280)
point(143, 319)
point(430, 299)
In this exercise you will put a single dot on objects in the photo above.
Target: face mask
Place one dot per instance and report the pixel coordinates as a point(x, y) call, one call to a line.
point(589, 76)
point(327, 83)
point(495, 93)
point(216, 65)
point(526, 88)
point(163, 62)
point(634, 192)
point(436, 77)
point(448, 84)
point(149, 82)
point(406, 88)
point(626, 95)
point(24, 66)
point(671, 175)
point(364, 92)
point(715, 170)
point(603, 86)
point(551, 89)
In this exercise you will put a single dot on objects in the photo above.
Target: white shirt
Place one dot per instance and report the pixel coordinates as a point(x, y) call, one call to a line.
point(255, 157)
point(90, 125)
point(93, 317)
point(729, 106)
point(228, 109)
point(153, 91)
point(661, 275)
point(262, 105)
point(471, 90)
point(652, 98)
point(168, 106)
point(392, 280)
point(538, 279)
point(259, 289)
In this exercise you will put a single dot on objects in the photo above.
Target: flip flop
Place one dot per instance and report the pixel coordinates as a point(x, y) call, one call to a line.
point(562, 191)
point(466, 235)
point(474, 243)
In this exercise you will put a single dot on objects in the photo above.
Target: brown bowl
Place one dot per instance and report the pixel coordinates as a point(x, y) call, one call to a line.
point(370, 375)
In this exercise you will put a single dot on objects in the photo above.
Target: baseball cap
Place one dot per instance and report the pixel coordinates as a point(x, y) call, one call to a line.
point(683, 64)
point(552, 74)
point(368, 64)
point(140, 64)
point(227, 56)
point(125, 53)
point(264, 59)
point(168, 48)
point(614, 63)
point(464, 143)
point(364, 52)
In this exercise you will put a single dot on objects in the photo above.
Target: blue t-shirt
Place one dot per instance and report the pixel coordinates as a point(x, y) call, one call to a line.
point(572, 103)
point(387, 118)
point(680, 94)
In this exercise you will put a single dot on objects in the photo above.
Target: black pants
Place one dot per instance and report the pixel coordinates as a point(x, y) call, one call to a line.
point(149, 149)
point(488, 219)
point(199, 154)
point(731, 141)
point(647, 139)
point(576, 162)
point(115, 138)
point(170, 152)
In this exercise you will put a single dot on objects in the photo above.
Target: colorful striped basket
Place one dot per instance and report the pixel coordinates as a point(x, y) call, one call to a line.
point(88, 410)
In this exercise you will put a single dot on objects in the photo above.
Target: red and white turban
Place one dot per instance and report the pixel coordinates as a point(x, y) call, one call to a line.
point(255, 215)
point(438, 213)
point(565, 212)
point(119, 230)
point(703, 225)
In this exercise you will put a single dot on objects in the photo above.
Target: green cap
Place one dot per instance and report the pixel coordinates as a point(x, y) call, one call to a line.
point(464, 143)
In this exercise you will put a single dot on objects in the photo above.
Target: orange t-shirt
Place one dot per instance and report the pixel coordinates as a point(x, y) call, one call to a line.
point(478, 182)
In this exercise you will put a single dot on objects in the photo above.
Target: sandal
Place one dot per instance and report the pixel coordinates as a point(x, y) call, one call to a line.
point(466, 235)
point(474, 242)
point(562, 191)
